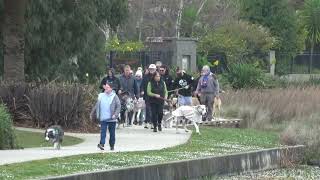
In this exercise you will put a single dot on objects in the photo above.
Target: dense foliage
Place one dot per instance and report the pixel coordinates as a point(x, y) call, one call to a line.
point(279, 17)
point(246, 76)
point(240, 41)
point(7, 136)
point(63, 40)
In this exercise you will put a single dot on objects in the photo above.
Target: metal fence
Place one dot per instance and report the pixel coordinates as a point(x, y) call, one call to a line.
point(139, 58)
point(300, 64)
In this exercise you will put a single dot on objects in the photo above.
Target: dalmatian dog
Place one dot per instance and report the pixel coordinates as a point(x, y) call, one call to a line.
point(138, 106)
point(188, 114)
point(54, 134)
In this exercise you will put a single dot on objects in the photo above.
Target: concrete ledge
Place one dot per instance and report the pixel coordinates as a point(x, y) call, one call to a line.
point(192, 169)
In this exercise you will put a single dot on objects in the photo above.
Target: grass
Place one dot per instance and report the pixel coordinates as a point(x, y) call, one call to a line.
point(292, 111)
point(28, 139)
point(212, 142)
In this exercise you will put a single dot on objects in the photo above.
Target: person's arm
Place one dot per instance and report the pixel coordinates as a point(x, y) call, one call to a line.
point(190, 83)
point(117, 107)
point(135, 88)
point(169, 87)
point(120, 86)
point(117, 84)
point(165, 91)
point(216, 84)
point(198, 90)
point(149, 93)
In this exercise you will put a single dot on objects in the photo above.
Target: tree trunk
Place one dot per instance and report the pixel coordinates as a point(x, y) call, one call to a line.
point(178, 23)
point(197, 15)
point(141, 20)
point(13, 40)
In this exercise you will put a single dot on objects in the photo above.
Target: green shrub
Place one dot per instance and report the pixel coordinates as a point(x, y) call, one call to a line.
point(246, 76)
point(7, 136)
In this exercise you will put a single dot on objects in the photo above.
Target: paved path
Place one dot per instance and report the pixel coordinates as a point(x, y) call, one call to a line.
point(128, 139)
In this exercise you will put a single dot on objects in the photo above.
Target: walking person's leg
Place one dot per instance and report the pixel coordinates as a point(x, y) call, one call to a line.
point(103, 130)
point(154, 109)
point(209, 104)
point(148, 114)
point(160, 116)
point(112, 132)
point(188, 100)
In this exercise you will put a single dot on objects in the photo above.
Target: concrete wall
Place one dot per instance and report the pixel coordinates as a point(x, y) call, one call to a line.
point(187, 47)
point(192, 169)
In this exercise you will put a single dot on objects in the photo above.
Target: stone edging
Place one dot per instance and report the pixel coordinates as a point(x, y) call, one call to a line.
point(193, 169)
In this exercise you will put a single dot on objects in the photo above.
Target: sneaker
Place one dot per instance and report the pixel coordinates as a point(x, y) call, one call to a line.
point(101, 146)
point(155, 130)
point(112, 148)
point(159, 128)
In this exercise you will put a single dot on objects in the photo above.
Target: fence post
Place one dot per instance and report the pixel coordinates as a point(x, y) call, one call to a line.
point(291, 65)
point(272, 59)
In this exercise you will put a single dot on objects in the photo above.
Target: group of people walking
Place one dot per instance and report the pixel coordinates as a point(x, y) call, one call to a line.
point(154, 85)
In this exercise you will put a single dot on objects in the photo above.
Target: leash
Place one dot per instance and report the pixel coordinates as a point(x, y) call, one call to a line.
point(167, 100)
point(186, 87)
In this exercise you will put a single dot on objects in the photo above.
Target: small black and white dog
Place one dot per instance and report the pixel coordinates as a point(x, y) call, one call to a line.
point(54, 134)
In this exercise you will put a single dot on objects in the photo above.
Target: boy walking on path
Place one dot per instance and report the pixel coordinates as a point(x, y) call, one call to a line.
point(107, 111)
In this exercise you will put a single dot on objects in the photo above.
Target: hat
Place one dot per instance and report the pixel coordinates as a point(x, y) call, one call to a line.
point(152, 66)
point(139, 73)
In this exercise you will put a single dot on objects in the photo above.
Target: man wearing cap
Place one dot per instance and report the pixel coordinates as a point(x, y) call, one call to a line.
point(143, 88)
point(183, 82)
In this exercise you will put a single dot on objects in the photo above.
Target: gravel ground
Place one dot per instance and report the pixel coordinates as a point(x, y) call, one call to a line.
point(298, 173)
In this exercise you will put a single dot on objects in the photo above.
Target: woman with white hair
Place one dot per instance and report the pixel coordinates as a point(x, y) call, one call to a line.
point(207, 89)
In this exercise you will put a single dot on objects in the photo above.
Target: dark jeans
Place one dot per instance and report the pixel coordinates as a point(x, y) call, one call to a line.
point(112, 131)
point(148, 112)
point(157, 114)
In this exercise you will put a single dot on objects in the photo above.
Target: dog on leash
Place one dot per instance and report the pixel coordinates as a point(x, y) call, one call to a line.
point(138, 106)
point(54, 134)
point(127, 106)
point(217, 107)
point(188, 114)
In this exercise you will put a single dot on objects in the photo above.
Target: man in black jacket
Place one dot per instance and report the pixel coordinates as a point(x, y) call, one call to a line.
point(112, 80)
point(183, 82)
point(164, 71)
point(143, 88)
